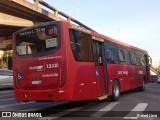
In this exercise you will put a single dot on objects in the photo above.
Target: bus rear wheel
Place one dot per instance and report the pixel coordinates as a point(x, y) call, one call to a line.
point(115, 90)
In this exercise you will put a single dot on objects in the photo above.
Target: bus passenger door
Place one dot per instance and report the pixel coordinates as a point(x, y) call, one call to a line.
point(147, 63)
point(99, 67)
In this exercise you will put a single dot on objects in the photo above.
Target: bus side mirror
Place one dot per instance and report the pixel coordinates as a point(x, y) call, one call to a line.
point(150, 60)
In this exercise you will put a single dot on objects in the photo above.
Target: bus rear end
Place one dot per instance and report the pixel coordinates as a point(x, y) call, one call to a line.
point(38, 63)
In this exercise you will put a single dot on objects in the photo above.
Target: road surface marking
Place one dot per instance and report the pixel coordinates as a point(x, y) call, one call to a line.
point(8, 99)
point(59, 114)
point(105, 109)
point(109, 107)
point(47, 118)
point(140, 107)
point(6, 95)
point(6, 91)
point(14, 104)
point(45, 106)
point(69, 112)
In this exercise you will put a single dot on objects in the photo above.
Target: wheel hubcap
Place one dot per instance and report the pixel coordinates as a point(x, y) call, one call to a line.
point(116, 90)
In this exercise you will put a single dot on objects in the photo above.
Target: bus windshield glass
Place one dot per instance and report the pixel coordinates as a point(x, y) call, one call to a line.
point(37, 41)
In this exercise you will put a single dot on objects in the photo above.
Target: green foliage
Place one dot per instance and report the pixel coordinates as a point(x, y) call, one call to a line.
point(3, 65)
point(7, 53)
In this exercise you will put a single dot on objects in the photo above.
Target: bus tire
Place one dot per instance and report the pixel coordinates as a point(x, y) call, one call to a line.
point(115, 90)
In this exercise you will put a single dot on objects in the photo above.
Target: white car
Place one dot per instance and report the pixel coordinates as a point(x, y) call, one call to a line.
point(6, 78)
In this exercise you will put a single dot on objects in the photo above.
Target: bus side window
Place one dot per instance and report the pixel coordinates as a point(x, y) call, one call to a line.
point(122, 56)
point(138, 59)
point(128, 60)
point(110, 52)
point(142, 61)
point(133, 58)
point(81, 45)
point(75, 47)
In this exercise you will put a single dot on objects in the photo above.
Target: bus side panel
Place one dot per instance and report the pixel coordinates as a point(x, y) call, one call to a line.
point(139, 74)
point(129, 77)
point(112, 75)
point(122, 73)
point(80, 75)
point(83, 77)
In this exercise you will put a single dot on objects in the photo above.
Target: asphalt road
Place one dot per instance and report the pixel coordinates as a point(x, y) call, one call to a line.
point(131, 105)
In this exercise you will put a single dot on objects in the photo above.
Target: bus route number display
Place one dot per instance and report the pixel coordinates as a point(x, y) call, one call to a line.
point(51, 43)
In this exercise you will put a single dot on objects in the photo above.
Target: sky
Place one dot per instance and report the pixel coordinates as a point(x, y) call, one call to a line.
point(136, 22)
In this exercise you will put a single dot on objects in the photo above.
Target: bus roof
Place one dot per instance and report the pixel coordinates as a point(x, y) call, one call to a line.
point(89, 31)
point(94, 33)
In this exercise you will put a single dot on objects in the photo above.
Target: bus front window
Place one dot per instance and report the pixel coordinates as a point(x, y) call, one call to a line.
point(37, 40)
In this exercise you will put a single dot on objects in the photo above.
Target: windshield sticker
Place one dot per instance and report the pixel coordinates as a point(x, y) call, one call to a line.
point(51, 43)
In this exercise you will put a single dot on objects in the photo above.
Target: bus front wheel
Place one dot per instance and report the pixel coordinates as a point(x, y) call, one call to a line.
point(115, 90)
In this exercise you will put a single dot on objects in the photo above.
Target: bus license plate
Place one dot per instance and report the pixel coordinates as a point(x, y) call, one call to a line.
point(36, 82)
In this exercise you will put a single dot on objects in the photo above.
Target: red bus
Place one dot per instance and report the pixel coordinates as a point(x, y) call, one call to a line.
point(61, 61)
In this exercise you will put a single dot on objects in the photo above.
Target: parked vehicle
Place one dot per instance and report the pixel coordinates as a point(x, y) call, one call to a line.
point(6, 78)
point(154, 78)
point(158, 79)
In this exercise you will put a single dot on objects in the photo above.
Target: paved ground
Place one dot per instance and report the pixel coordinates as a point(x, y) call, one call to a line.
point(132, 105)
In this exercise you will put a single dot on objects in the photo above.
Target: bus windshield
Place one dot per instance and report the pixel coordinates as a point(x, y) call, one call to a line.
point(37, 41)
